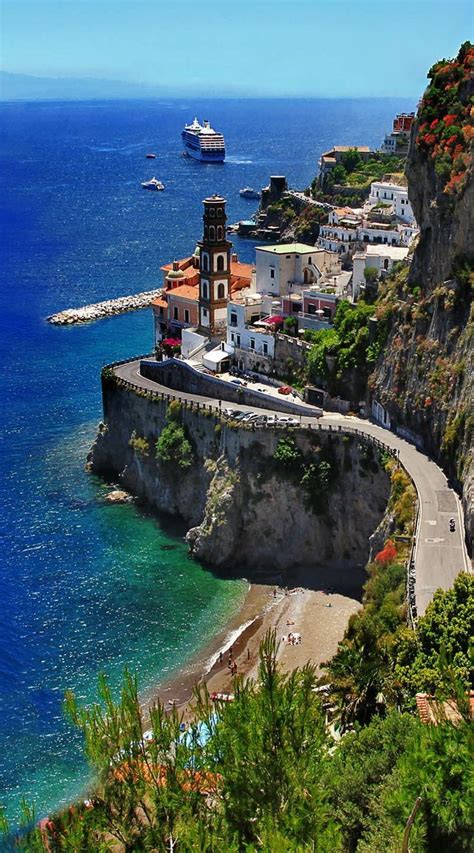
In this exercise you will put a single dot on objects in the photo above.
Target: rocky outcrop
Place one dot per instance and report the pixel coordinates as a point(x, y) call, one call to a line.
point(445, 218)
point(244, 510)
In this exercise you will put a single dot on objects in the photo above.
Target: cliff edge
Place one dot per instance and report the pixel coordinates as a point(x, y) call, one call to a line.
point(424, 376)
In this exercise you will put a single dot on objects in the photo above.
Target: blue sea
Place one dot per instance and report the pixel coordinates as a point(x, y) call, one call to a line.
point(87, 587)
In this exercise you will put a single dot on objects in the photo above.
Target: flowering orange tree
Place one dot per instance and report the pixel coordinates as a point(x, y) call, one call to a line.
point(387, 555)
point(445, 118)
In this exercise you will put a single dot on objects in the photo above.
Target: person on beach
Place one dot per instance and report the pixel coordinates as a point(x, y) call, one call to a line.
point(248, 654)
point(220, 657)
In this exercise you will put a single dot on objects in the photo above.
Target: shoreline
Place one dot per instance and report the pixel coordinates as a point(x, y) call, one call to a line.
point(320, 615)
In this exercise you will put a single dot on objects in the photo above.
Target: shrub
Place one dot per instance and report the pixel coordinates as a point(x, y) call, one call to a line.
point(174, 446)
point(139, 444)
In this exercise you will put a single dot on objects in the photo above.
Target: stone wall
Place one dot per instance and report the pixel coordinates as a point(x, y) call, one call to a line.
point(180, 376)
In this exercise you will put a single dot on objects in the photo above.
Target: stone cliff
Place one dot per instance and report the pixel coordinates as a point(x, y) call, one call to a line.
point(246, 505)
point(424, 376)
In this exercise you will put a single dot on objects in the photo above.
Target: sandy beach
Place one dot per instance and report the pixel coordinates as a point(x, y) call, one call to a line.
point(319, 611)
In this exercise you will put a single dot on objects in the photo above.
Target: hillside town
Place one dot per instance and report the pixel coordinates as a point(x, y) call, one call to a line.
point(219, 314)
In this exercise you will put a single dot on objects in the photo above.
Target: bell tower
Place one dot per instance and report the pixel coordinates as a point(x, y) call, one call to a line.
point(214, 268)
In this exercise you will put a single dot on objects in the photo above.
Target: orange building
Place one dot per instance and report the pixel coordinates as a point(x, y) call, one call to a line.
point(178, 306)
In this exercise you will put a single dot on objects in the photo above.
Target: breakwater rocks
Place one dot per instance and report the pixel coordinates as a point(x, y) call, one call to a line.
point(100, 310)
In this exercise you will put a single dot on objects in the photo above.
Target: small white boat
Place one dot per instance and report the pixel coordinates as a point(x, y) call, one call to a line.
point(249, 192)
point(153, 184)
point(150, 156)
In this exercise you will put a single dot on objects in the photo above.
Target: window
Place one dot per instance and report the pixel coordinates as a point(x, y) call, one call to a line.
point(205, 263)
point(204, 313)
point(220, 232)
point(212, 212)
point(233, 318)
point(252, 343)
point(237, 337)
point(221, 291)
point(186, 315)
point(220, 262)
point(175, 314)
point(265, 348)
point(272, 272)
point(232, 337)
point(295, 307)
point(311, 309)
point(327, 313)
point(205, 289)
point(212, 232)
point(310, 261)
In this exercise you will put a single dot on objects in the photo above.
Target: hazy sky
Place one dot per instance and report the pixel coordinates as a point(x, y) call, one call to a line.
point(253, 47)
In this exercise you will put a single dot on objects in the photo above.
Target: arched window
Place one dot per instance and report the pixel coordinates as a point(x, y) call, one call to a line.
point(205, 263)
point(221, 291)
point(385, 264)
point(219, 211)
point(212, 232)
point(220, 263)
point(220, 232)
point(212, 212)
point(205, 290)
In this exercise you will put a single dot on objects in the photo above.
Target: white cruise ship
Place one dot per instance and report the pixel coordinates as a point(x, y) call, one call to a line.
point(203, 143)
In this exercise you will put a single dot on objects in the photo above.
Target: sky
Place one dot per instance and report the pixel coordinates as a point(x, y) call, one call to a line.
point(302, 48)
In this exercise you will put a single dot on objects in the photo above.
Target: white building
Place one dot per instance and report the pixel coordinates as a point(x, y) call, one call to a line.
point(381, 258)
point(284, 268)
point(386, 192)
point(250, 337)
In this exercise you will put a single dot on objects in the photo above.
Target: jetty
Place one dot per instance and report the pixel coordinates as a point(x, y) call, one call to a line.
point(101, 310)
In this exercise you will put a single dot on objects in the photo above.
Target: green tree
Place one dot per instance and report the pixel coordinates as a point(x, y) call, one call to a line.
point(174, 446)
point(351, 159)
point(361, 763)
point(444, 633)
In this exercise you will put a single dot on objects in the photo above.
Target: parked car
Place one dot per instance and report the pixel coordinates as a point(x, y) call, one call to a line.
point(251, 418)
point(231, 413)
point(288, 421)
point(284, 389)
point(241, 415)
point(237, 382)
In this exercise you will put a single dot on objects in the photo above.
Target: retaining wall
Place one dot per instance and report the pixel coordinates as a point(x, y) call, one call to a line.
point(180, 376)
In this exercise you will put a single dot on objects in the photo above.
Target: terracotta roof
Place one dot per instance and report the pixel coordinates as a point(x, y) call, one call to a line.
point(432, 711)
point(241, 270)
point(159, 303)
point(237, 283)
point(183, 264)
point(184, 291)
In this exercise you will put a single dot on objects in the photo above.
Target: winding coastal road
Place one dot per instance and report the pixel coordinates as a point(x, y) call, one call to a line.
point(439, 554)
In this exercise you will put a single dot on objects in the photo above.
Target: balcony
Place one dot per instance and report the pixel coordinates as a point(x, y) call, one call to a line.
point(315, 322)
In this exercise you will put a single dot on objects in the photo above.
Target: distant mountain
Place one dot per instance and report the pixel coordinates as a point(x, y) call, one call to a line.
point(23, 87)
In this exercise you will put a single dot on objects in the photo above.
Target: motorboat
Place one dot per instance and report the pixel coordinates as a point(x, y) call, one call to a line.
point(249, 192)
point(153, 184)
point(150, 156)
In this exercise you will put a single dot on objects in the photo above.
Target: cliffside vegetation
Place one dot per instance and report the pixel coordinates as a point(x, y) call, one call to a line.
point(264, 772)
point(356, 173)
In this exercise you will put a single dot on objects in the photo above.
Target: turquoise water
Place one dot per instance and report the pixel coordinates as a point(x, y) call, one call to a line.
point(85, 586)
